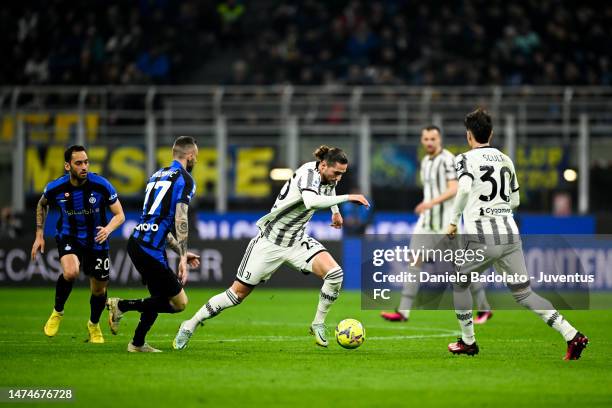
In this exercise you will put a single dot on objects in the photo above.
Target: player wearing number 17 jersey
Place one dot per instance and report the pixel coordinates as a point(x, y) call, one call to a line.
point(282, 240)
point(487, 195)
point(163, 223)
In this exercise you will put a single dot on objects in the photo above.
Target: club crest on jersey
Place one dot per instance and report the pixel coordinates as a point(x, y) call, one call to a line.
point(92, 200)
point(459, 166)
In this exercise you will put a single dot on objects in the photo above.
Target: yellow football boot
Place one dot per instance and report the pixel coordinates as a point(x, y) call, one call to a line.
point(53, 324)
point(95, 334)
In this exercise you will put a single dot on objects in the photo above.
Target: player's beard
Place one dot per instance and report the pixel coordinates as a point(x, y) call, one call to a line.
point(189, 165)
point(80, 177)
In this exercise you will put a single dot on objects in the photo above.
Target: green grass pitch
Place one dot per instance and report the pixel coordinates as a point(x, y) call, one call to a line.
point(259, 354)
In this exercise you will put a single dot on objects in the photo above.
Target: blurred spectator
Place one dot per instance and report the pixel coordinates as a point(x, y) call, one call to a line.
point(10, 225)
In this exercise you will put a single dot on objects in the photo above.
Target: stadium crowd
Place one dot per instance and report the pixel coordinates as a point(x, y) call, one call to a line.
point(468, 42)
point(105, 41)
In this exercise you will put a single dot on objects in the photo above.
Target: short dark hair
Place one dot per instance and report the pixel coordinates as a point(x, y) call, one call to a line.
point(330, 155)
point(429, 128)
point(72, 149)
point(183, 143)
point(479, 123)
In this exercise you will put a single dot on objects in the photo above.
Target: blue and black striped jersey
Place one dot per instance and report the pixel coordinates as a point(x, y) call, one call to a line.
point(82, 208)
point(166, 187)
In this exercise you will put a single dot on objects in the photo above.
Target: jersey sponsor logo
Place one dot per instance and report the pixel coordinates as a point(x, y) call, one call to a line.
point(67, 248)
point(66, 194)
point(494, 211)
point(85, 211)
point(147, 227)
point(92, 200)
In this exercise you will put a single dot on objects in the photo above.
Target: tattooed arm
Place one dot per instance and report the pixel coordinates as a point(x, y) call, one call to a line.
point(181, 226)
point(42, 209)
point(192, 259)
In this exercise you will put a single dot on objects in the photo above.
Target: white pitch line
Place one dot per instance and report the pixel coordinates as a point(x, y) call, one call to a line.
point(248, 339)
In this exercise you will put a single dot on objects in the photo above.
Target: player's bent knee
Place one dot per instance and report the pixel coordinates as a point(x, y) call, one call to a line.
point(179, 305)
point(241, 290)
point(334, 277)
point(98, 291)
point(71, 274)
point(180, 301)
point(520, 293)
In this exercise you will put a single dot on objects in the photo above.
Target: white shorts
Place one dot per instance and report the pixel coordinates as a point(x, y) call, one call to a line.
point(262, 258)
point(505, 258)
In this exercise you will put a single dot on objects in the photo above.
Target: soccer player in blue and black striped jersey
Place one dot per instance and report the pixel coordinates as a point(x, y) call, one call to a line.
point(82, 233)
point(163, 223)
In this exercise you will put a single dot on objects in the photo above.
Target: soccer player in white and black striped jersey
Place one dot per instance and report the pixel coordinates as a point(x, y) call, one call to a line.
point(487, 195)
point(283, 240)
point(439, 187)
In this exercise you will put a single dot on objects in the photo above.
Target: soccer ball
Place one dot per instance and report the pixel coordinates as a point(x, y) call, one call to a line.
point(350, 333)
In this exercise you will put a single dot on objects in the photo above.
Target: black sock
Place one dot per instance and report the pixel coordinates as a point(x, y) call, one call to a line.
point(62, 291)
point(146, 321)
point(152, 304)
point(97, 304)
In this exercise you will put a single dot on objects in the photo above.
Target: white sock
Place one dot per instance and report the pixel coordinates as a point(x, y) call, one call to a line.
point(543, 308)
point(213, 307)
point(462, 298)
point(332, 282)
point(466, 322)
point(409, 293)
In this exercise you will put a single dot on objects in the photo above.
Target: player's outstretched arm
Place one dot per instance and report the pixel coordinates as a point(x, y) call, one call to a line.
point(118, 219)
point(42, 210)
point(316, 201)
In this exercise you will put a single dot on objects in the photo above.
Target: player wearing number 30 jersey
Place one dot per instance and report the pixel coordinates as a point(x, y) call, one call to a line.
point(282, 240)
point(487, 195)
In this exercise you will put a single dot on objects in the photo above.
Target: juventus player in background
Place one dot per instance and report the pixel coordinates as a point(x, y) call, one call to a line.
point(163, 223)
point(439, 188)
point(487, 194)
point(283, 240)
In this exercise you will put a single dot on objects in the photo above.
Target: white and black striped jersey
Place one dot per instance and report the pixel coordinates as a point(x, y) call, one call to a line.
point(436, 171)
point(488, 211)
point(286, 223)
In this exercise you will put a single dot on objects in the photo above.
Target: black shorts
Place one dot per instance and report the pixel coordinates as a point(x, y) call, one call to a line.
point(94, 262)
point(159, 278)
